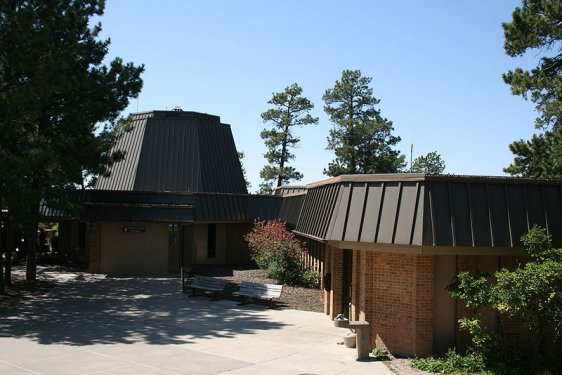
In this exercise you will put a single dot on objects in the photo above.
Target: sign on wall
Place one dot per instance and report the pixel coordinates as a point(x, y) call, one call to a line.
point(133, 229)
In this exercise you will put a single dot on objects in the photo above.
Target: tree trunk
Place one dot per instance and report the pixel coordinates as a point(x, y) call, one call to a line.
point(31, 261)
point(9, 252)
point(283, 153)
point(2, 286)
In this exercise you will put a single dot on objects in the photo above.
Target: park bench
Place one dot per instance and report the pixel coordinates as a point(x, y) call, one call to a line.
point(206, 284)
point(259, 291)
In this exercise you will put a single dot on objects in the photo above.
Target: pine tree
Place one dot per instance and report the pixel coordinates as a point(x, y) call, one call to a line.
point(290, 109)
point(55, 92)
point(361, 138)
point(431, 163)
point(536, 28)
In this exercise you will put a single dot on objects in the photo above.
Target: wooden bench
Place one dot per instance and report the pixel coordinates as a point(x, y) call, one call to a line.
point(260, 291)
point(206, 284)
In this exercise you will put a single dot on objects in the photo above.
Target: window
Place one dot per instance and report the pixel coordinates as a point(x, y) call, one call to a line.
point(212, 241)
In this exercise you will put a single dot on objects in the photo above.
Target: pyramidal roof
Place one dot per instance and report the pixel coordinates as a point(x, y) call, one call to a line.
point(176, 151)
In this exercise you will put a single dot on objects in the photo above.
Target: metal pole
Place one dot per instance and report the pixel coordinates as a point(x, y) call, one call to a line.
point(182, 274)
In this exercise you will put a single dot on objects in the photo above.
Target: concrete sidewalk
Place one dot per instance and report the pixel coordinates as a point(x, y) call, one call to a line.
point(145, 326)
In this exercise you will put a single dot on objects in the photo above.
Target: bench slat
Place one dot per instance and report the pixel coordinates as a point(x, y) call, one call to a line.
point(257, 290)
point(207, 283)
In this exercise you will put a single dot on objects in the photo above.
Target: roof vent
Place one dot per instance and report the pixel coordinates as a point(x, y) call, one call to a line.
point(177, 109)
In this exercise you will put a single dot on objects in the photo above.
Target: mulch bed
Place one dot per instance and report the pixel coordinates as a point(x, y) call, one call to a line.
point(292, 297)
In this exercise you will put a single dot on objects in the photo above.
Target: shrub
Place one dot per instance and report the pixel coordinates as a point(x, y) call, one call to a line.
point(380, 354)
point(311, 279)
point(452, 363)
point(532, 293)
point(286, 269)
point(277, 250)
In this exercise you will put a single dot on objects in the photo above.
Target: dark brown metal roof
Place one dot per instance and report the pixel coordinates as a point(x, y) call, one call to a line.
point(291, 208)
point(287, 190)
point(115, 205)
point(231, 207)
point(176, 151)
point(317, 211)
point(414, 209)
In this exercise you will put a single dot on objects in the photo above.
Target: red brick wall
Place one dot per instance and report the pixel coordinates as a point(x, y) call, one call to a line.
point(357, 281)
point(395, 295)
point(424, 304)
point(336, 293)
point(334, 266)
point(327, 269)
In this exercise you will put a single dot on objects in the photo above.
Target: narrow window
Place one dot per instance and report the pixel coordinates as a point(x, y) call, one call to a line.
point(212, 241)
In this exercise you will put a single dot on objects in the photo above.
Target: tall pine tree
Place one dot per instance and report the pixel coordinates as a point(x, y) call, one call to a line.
point(361, 138)
point(55, 92)
point(536, 28)
point(290, 109)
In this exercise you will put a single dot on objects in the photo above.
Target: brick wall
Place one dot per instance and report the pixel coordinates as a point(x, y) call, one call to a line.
point(424, 304)
point(327, 269)
point(334, 266)
point(399, 287)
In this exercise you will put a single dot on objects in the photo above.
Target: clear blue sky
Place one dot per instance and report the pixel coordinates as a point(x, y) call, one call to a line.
point(436, 66)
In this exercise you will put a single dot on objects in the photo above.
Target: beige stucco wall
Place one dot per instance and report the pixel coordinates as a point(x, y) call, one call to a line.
point(135, 253)
point(231, 248)
point(200, 233)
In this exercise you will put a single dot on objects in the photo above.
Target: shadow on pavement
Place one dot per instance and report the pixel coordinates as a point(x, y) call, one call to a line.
point(128, 310)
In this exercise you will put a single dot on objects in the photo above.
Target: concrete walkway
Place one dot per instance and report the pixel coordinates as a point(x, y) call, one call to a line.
point(139, 326)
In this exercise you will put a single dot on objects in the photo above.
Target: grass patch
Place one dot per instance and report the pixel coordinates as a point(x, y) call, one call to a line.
point(453, 363)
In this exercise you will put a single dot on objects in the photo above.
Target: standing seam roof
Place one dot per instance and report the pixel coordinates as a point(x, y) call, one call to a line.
point(451, 211)
point(130, 143)
point(177, 152)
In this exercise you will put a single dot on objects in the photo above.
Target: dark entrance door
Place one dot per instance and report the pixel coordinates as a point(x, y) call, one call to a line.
point(347, 277)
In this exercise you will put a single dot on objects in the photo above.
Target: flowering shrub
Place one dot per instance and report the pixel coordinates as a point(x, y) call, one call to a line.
point(277, 250)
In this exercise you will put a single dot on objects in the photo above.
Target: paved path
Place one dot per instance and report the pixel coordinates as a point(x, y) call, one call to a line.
point(145, 326)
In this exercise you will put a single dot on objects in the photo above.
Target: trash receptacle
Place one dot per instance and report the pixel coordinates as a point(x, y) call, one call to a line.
point(363, 340)
point(350, 340)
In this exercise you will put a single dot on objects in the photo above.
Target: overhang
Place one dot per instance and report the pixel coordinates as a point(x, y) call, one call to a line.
point(427, 211)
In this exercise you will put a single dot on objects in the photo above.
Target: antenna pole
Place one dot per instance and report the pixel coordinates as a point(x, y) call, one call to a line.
point(411, 155)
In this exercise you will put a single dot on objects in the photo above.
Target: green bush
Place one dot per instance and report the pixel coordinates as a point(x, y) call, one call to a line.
point(276, 250)
point(452, 363)
point(380, 354)
point(285, 269)
point(310, 279)
point(532, 294)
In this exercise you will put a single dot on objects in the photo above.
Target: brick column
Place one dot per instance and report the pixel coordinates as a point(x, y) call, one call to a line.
point(337, 282)
point(327, 269)
point(367, 292)
point(357, 277)
point(424, 300)
point(403, 289)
